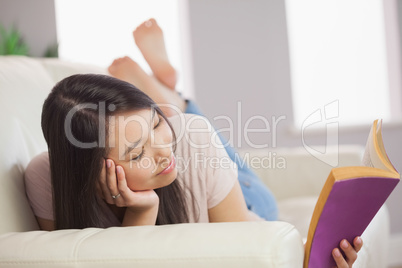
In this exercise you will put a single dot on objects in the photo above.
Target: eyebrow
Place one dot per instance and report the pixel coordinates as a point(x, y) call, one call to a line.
point(134, 144)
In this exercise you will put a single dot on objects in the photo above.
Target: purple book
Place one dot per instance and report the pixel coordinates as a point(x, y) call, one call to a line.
point(349, 200)
point(347, 212)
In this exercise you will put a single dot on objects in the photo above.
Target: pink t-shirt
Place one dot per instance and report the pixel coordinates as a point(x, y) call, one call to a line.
point(203, 167)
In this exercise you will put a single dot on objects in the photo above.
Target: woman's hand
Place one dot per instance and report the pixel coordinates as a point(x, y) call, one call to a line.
point(142, 206)
point(349, 251)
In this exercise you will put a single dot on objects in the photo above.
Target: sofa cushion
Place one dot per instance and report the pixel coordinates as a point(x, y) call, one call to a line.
point(298, 212)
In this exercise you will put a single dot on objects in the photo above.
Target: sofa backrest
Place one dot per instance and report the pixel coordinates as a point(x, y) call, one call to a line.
point(293, 172)
point(24, 85)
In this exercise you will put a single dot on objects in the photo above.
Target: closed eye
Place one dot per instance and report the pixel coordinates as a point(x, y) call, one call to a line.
point(159, 122)
point(143, 150)
point(140, 155)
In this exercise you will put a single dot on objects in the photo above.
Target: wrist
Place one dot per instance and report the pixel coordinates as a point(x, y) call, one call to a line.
point(143, 209)
point(135, 216)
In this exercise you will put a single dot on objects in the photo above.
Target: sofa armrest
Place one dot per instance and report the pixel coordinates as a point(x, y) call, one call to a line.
point(242, 244)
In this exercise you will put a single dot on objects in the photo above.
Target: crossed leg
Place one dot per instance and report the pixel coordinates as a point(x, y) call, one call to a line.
point(149, 39)
point(160, 87)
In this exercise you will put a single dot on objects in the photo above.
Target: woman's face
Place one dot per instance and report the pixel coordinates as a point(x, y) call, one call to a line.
point(141, 142)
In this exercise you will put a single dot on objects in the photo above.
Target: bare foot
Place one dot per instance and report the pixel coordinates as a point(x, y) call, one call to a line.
point(128, 70)
point(149, 39)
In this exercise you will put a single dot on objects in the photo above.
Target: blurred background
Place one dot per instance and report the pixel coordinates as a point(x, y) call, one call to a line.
point(285, 68)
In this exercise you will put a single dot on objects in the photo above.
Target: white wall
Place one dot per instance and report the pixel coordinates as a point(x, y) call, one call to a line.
point(240, 53)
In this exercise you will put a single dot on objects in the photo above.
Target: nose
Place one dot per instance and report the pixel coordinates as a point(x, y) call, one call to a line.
point(163, 154)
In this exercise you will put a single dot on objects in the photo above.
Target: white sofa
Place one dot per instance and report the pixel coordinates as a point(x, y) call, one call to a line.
point(24, 84)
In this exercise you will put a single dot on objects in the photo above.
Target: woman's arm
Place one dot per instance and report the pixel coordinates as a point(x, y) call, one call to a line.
point(140, 217)
point(142, 211)
point(232, 208)
point(39, 190)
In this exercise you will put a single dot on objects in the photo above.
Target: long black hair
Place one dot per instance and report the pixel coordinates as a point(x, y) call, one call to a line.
point(76, 166)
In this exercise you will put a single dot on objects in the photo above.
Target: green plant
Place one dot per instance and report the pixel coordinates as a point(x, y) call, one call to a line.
point(52, 51)
point(11, 42)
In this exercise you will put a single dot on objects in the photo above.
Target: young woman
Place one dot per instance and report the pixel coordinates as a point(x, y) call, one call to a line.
point(115, 159)
point(161, 88)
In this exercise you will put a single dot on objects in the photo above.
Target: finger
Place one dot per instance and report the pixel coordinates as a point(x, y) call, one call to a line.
point(122, 187)
point(111, 181)
point(358, 243)
point(350, 252)
point(103, 183)
point(340, 261)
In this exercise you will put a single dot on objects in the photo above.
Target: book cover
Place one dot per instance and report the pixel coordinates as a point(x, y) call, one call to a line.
point(349, 201)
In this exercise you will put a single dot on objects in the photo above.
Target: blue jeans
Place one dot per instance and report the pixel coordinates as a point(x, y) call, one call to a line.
point(259, 198)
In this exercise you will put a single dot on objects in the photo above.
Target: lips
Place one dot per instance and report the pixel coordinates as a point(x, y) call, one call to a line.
point(171, 166)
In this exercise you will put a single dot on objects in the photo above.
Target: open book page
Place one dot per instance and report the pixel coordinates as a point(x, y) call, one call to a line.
point(375, 155)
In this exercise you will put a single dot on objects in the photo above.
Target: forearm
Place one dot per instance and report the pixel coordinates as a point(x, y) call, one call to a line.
point(140, 217)
point(254, 217)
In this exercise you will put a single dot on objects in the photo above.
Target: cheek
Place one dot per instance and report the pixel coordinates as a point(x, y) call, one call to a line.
point(137, 177)
point(165, 134)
